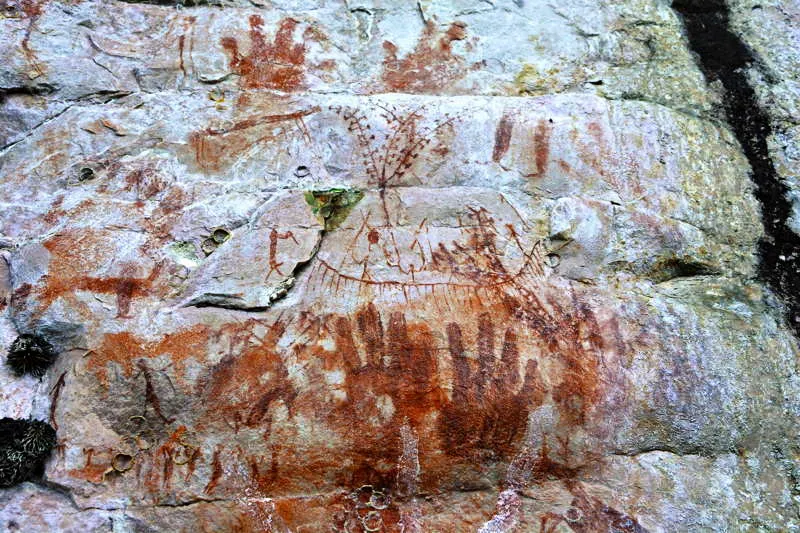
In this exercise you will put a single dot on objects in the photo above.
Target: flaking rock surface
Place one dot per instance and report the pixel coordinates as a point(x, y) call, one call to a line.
point(389, 266)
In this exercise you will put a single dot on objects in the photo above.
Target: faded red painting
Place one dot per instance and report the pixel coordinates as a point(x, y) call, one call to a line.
point(278, 64)
point(431, 66)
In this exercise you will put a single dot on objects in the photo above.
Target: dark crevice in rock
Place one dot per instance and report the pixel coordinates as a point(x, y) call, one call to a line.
point(41, 89)
point(225, 301)
point(187, 503)
point(677, 268)
point(693, 452)
point(62, 490)
point(103, 97)
point(723, 57)
point(181, 3)
point(790, 469)
point(6, 147)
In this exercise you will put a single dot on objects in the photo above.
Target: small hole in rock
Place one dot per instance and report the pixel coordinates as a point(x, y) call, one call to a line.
point(122, 462)
point(208, 246)
point(220, 235)
point(86, 173)
point(378, 500)
point(372, 521)
point(573, 514)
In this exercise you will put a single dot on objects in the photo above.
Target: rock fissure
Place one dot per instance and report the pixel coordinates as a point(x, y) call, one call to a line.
point(10, 146)
point(178, 3)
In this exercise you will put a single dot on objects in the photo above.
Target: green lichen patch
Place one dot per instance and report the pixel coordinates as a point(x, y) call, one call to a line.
point(333, 205)
point(533, 82)
point(184, 253)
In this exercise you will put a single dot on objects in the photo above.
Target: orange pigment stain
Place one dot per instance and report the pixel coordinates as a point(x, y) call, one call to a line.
point(502, 137)
point(125, 349)
point(93, 471)
point(70, 252)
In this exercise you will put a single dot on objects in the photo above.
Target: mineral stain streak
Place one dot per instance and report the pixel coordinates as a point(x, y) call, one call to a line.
point(724, 57)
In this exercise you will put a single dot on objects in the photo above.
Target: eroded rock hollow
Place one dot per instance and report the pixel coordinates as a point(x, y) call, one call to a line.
point(442, 266)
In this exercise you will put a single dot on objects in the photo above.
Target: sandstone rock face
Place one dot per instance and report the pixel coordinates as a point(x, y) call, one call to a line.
point(382, 266)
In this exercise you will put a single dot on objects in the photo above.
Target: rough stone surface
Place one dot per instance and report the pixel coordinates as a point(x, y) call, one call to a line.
point(383, 266)
point(772, 31)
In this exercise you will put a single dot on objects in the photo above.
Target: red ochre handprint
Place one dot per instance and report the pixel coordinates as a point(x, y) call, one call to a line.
point(479, 387)
point(399, 360)
point(466, 387)
point(490, 399)
point(236, 390)
point(277, 65)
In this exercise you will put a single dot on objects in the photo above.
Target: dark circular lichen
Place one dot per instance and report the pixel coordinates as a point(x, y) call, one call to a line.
point(14, 468)
point(30, 354)
point(24, 447)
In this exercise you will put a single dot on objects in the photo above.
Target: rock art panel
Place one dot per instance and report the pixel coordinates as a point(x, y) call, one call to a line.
point(385, 267)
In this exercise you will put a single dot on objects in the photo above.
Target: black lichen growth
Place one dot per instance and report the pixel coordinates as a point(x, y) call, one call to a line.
point(14, 468)
point(24, 447)
point(38, 439)
point(30, 354)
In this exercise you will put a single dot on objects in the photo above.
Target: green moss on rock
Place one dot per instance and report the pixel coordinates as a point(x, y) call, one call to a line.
point(333, 205)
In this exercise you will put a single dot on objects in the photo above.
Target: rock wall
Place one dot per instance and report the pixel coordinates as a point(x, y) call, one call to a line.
point(391, 266)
